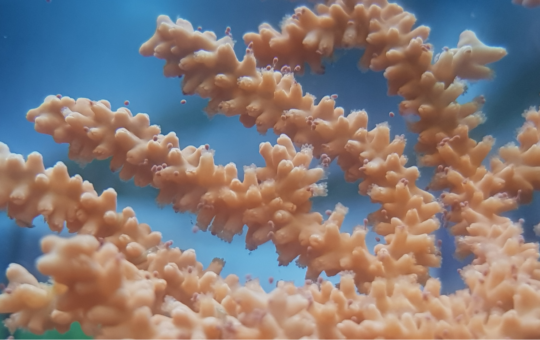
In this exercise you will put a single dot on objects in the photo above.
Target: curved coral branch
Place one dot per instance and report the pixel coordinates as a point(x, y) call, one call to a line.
point(273, 201)
point(391, 45)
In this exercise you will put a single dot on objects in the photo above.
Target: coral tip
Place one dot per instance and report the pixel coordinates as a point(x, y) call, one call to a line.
point(183, 101)
point(58, 96)
point(126, 102)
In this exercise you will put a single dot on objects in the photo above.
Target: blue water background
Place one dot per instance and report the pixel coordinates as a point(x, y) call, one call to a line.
point(90, 49)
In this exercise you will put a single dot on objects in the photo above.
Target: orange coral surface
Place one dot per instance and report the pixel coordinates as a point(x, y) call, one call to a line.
point(118, 279)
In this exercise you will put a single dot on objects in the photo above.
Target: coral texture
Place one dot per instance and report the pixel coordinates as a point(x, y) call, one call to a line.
point(118, 279)
point(527, 3)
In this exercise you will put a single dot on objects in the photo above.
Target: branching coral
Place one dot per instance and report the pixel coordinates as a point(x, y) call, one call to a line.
point(117, 278)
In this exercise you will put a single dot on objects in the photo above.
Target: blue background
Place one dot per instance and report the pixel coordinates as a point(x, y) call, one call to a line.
point(90, 49)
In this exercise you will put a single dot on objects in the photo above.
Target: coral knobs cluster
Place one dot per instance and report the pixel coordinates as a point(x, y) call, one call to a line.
point(119, 279)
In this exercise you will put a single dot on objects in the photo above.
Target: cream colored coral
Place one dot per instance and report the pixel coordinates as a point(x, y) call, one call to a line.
point(29, 190)
point(118, 279)
point(187, 177)
point(29, 302)
point(480, 199)
point(391, 45)
point(273, 201)
point(308, 37)
point(519, 166)
point(270, 98)
point(115, 299)
point(209, 306)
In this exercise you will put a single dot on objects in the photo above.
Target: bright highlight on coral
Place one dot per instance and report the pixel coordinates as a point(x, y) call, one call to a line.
point(119, 279)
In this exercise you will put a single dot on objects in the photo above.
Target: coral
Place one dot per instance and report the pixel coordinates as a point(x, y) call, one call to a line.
point(117, 277)
point(527, 3)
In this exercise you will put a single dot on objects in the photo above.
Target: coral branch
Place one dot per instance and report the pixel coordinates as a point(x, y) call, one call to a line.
point(173, 297)
point(391, 44)
point(310, 37)
point(272, 99)
point(272, 201)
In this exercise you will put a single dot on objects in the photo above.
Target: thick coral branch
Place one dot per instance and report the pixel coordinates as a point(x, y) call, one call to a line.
point(312, 36)
point(188, 177)
point(429, 90)
point(476, 202)
point(273, 99)
point(273, 201)
point(385, 31)
point(172, 297)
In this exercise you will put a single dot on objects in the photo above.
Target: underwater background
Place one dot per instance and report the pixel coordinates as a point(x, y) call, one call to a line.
point(90, 49)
